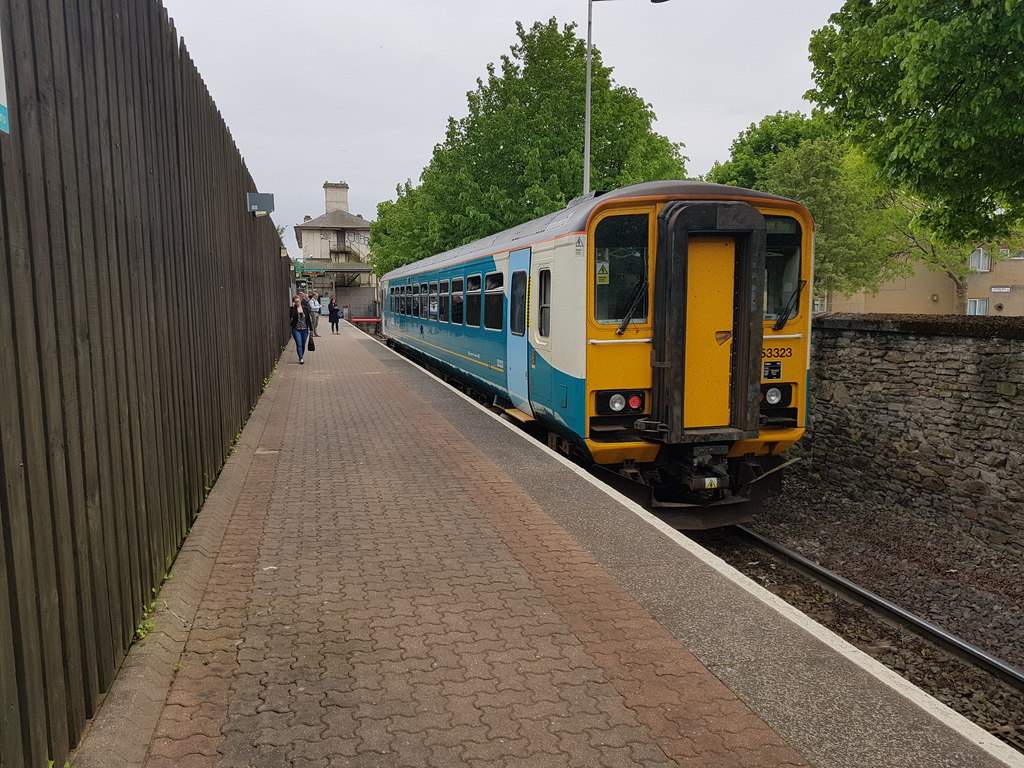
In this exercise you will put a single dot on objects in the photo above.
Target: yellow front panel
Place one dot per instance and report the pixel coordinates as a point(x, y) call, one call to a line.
point(709, 318)
point(619, 366)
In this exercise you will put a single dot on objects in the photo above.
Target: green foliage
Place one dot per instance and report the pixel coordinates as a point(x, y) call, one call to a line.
point(856, 247)
point(146, 622)
point(756, 148)
point(931, 90)
point(518, 153)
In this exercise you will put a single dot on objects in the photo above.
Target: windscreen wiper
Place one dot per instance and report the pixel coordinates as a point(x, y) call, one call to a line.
point(638, 293)
point(790, 308)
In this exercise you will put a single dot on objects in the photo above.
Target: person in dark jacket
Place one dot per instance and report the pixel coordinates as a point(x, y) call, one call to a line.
point(298, 316)
point(332, 314)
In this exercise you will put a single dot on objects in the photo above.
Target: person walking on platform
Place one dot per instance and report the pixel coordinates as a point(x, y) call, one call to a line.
point(298, 316)
point(314, 312)
point(332, 314)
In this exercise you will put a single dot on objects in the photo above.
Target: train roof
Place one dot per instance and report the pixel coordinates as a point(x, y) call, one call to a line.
point(573, 218)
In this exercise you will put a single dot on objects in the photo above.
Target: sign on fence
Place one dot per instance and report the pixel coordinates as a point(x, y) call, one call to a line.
point(5, 124)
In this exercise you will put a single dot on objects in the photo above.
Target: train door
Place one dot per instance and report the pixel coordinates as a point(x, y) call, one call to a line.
point(708, 341)
point(709, 287)
point(517, 368)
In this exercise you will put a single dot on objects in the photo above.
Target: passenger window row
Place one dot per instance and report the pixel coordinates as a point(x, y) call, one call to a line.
point(445, 301)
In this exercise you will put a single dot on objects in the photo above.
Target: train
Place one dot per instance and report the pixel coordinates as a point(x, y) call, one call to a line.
point(658, 333)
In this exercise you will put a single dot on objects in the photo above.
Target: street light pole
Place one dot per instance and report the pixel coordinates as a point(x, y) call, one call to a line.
point(586, 108)
point(586, 113)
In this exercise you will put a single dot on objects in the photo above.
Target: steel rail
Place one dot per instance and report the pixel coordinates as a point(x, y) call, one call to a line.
point(936, 635)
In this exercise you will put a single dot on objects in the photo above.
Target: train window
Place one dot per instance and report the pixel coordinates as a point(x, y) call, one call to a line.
point(517, 304)
point(404, 299)
point(415, 301)
point(442, 302)
point(494, 301)
point(544, 300)
point(620, 269)
point(423, 300)
point(474, 289)
point(782, 267)
point(457, 301)
point(432, 307)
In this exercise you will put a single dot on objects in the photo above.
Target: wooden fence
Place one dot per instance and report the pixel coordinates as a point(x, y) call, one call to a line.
point(141, 309)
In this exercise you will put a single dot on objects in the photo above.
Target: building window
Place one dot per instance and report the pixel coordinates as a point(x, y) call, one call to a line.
point(977, 306)
point(544, 302)
point(494, 301)
point(980, 261)
point(821, 304)
point(1017, 255)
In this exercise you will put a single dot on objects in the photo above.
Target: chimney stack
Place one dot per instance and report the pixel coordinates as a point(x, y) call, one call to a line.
point(336, 196)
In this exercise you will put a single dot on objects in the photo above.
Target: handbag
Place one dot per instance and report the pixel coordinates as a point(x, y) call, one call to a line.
point(311, 345)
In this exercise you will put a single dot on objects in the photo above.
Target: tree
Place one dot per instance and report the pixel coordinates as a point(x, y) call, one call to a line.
point(931, 91)
point(756, 147)
point(518, 153)
point(857, 244)
point(951, 260)
point(954, 261)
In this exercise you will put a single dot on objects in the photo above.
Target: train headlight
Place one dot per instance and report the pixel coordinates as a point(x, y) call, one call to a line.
point(776, 395)
point(617, 402)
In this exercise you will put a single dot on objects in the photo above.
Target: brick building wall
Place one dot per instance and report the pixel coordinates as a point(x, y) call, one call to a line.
point(926, 412)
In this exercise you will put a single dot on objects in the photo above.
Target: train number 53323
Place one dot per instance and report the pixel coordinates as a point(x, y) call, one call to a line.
point(770, 352)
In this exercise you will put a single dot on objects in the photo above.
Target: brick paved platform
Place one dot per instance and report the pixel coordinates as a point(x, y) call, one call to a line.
point(386, 575)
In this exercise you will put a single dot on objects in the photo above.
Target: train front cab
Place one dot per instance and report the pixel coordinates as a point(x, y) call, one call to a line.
point(697, 350)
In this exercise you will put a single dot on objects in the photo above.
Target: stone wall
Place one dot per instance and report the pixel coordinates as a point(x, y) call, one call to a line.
point(926, 412)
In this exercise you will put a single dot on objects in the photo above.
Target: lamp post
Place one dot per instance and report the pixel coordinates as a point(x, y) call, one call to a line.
point(586, 114)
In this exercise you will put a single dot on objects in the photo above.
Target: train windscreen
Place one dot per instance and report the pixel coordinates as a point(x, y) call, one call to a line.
point(620, 269)
point(782, 266)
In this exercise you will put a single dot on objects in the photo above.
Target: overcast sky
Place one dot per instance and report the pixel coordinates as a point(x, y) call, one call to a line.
point(360, 90)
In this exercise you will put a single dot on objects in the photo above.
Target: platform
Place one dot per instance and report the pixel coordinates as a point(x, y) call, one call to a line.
point(387, 574)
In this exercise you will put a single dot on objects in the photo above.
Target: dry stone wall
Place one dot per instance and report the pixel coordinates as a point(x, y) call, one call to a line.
point(926, 412)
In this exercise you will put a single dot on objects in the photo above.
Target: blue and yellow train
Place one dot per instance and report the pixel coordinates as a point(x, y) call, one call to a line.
point(660, 331)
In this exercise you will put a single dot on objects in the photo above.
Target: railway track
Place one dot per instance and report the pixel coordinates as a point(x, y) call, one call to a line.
point(983, 688)
point(889, 611)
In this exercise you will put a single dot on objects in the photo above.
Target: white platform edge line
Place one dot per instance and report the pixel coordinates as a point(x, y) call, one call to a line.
point(908, 690)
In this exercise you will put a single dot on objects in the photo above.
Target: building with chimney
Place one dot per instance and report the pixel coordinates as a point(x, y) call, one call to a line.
point(336, 253)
